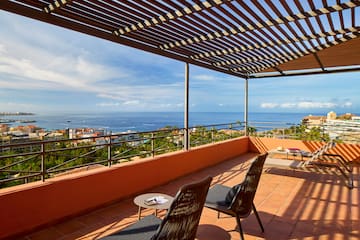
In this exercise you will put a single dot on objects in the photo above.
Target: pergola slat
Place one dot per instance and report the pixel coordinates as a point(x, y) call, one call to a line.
point(257, 39)
point(298, 39)
point(307, 21)
point(262, 24)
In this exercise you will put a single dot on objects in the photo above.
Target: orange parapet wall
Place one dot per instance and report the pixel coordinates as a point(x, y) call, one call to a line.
point(26, 207)
point(350, 152)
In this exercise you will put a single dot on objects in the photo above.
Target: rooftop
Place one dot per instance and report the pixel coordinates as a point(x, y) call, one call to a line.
point(241, 38)
point(292, 205)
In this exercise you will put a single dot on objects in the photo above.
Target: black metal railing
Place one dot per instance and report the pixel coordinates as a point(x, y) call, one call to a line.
point(32, 160)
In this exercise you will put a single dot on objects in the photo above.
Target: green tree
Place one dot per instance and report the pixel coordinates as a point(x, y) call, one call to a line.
point(251, 130)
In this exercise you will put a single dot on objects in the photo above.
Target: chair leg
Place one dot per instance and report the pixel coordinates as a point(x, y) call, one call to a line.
point(257, 217)
point(240, 228)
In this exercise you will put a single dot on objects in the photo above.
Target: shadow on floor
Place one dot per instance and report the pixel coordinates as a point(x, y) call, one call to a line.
point(211, 232)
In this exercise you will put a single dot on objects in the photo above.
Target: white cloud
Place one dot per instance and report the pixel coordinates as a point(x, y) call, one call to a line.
point(204, 77)
point(64, 70)
point(13, 105)
point(56, 60)
point(108, 104)
point(2, 49)
point(52, 59)
point(306, 105)
point(309, 104)
point(109, 96)
point(288, 105)
point(166, 105)
point(347, 104)
point(142, 93)
point(143, 106)
point(38, 68)
point(269, 105)
point(132, 102)
point(56, 72)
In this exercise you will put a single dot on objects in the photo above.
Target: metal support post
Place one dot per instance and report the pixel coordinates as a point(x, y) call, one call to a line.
point(246, 120)
point(186, 108)
point(109, 150)
point(43, 167)
point(152, 145)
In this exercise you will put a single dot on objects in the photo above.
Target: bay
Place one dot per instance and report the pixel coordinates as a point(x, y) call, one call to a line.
point(148, 121)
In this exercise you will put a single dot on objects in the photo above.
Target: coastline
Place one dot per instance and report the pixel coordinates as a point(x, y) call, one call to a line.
point(149, 121)
point(145, 121)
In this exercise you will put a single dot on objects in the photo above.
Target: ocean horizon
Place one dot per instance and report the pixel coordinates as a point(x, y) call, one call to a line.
point(149, 121)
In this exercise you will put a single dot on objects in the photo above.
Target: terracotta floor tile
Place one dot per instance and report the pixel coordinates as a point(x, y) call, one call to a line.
point(212, 232)
point(291, 204)
point(69, 227)
point(46, 234)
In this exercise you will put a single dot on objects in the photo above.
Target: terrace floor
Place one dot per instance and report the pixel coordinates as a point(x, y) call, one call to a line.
point(292, 205)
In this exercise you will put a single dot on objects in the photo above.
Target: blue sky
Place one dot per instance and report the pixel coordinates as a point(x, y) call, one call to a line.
point(44, 69)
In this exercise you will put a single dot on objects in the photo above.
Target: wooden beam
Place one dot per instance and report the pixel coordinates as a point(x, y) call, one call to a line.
point(298, 73)
point(319, 61)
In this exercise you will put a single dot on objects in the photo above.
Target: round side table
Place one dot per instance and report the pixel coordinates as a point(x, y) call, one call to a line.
point(163, 202)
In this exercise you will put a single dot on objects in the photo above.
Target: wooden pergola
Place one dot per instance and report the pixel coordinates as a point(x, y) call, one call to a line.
point(245, 38)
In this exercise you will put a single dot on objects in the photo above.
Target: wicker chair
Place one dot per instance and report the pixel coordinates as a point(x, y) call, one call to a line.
point(238, 201)
point(180, 222)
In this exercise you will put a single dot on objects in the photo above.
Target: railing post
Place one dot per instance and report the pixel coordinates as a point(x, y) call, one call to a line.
point(246, 106)
point(152, 145)
point(109, 151)
point(186, 108)
point(43, 167)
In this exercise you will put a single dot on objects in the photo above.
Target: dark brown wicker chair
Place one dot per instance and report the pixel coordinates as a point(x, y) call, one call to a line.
point(180, 222)
point(238, 201)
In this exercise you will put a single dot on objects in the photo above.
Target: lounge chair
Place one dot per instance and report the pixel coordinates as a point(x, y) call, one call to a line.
point(318, 159)
point(238, 201)
point(180, 222)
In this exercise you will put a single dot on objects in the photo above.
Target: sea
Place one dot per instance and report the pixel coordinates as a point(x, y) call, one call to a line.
point(149, 121)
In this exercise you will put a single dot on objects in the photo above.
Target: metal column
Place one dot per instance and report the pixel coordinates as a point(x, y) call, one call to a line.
point(246, 106)
point(186, 109)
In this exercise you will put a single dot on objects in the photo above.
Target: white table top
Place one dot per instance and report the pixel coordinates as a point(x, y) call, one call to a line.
point(163, 200)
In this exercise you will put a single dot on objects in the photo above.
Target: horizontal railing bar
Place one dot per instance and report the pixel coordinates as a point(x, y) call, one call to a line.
point(19, 171)
point(19, 178)
point(20, 155)
point(32, 143)
point(77, 166)
point(216, 125)
point(16, 163)
point(73, 159)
